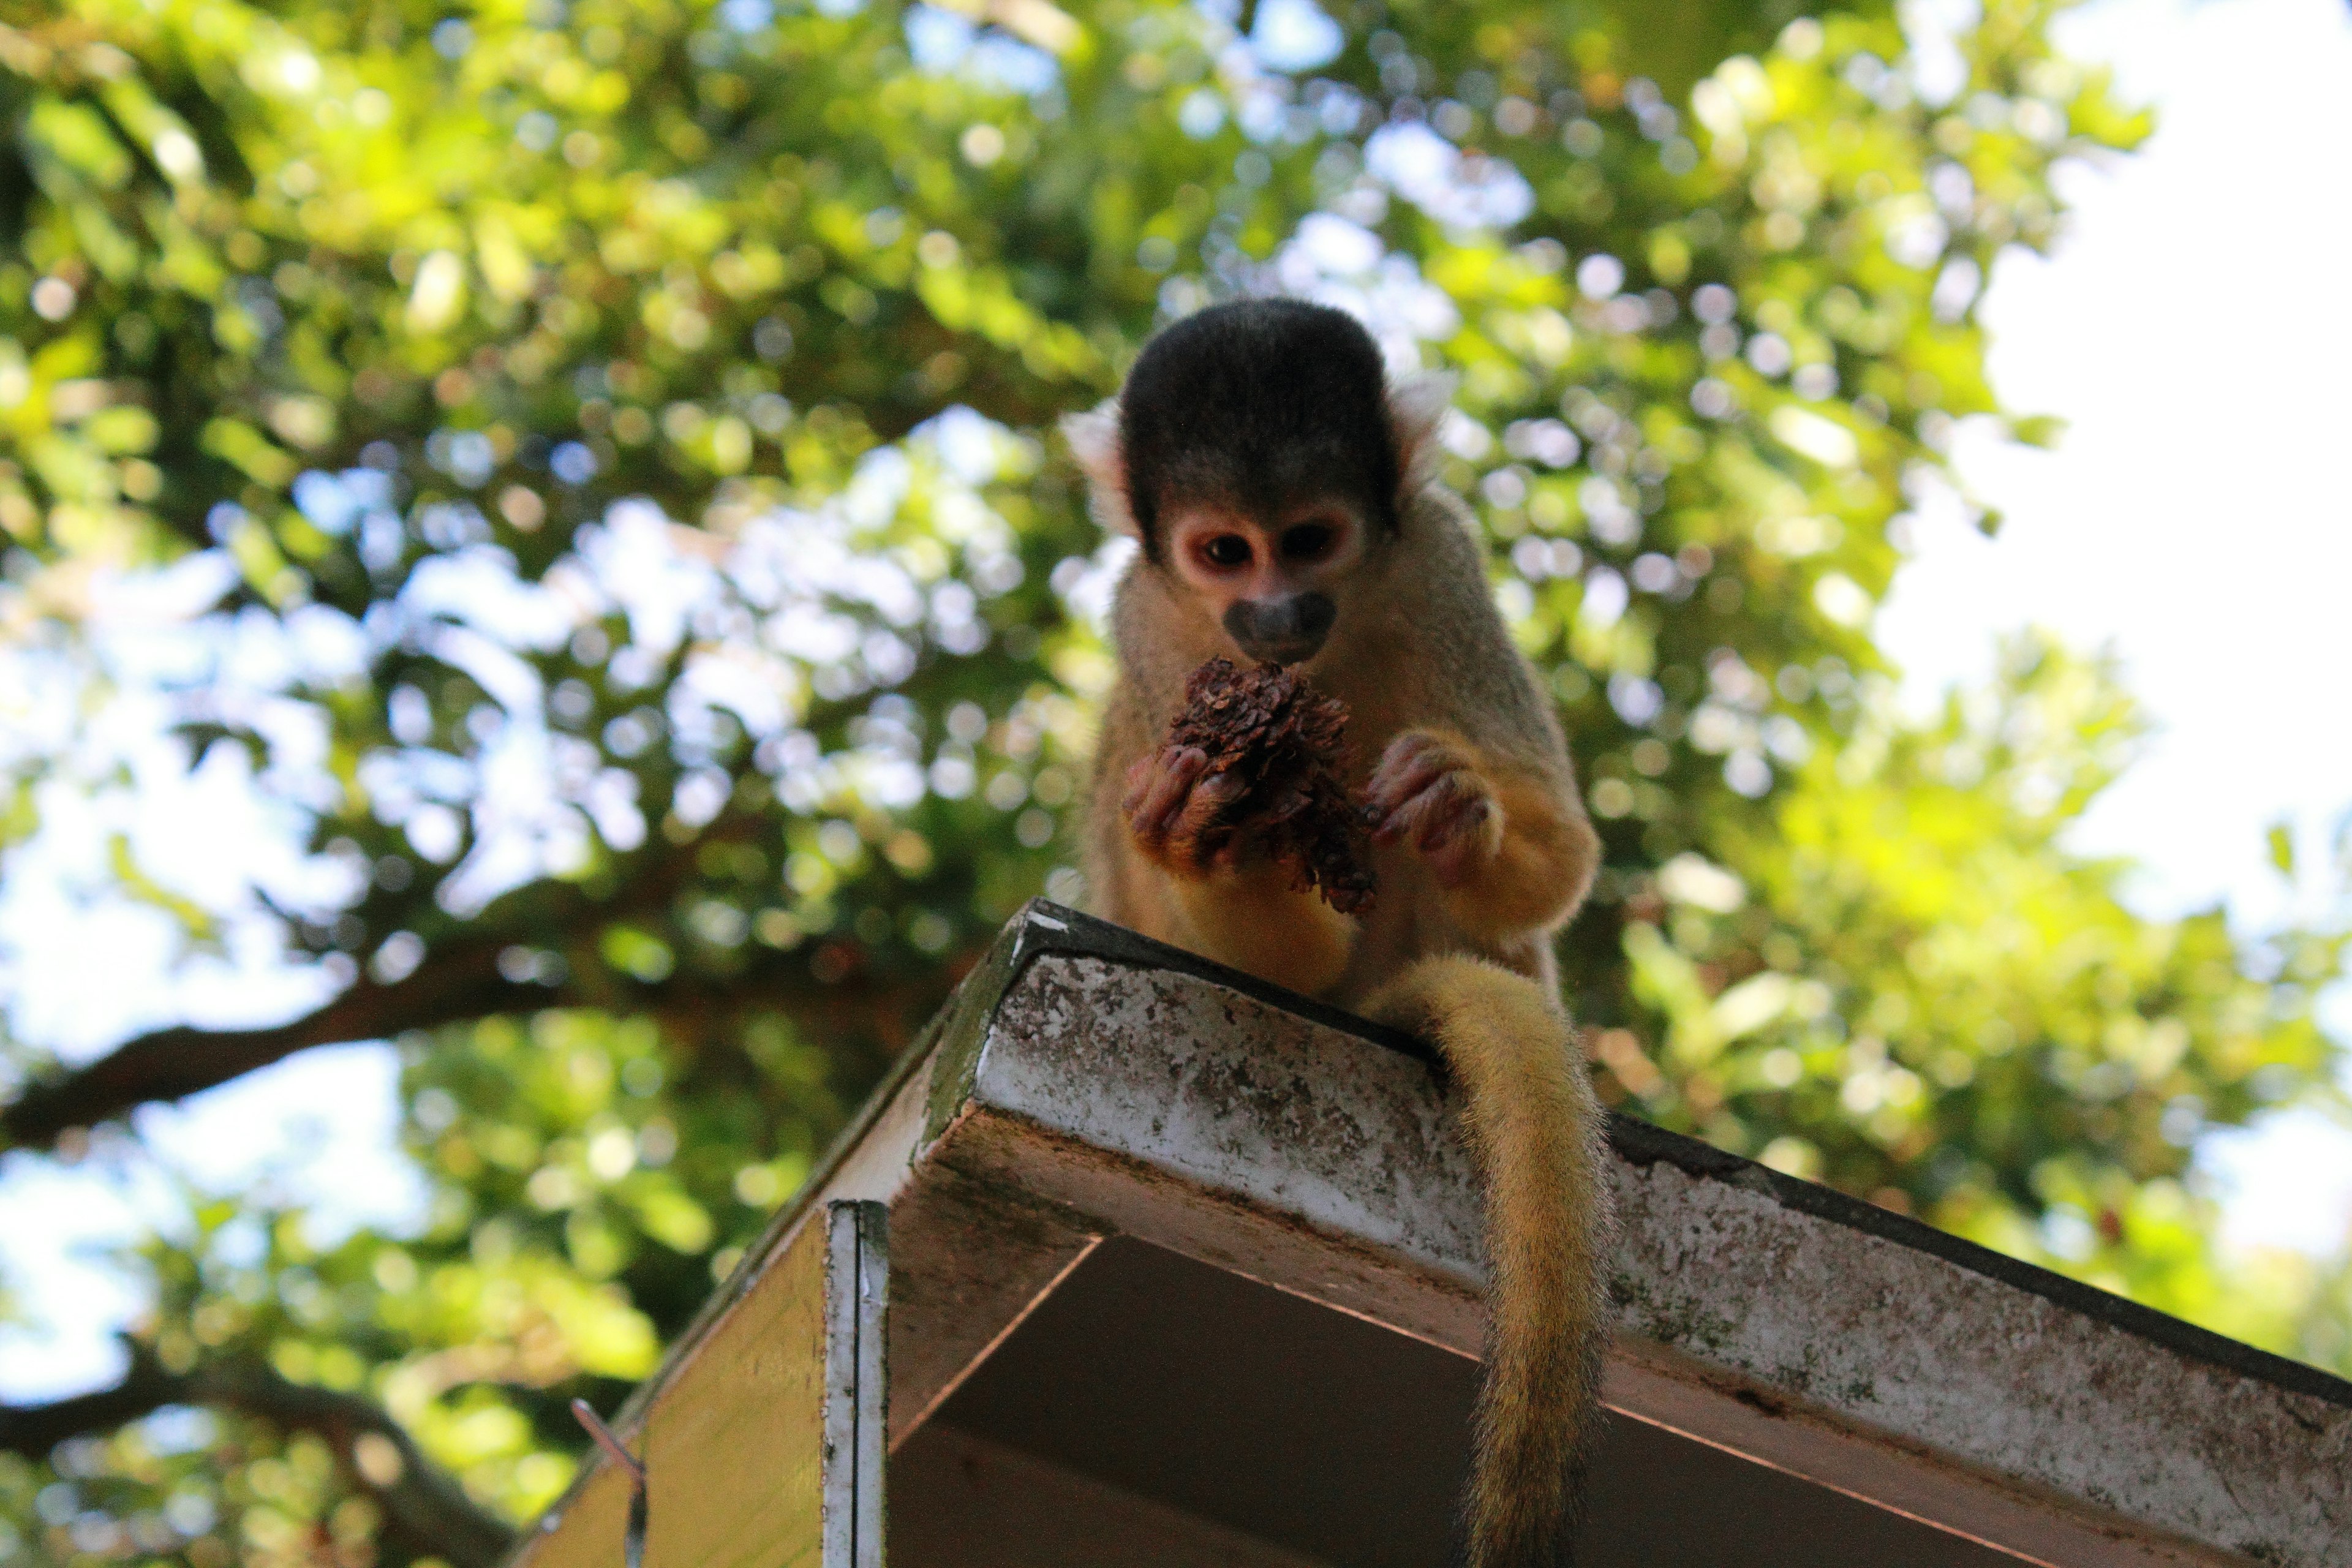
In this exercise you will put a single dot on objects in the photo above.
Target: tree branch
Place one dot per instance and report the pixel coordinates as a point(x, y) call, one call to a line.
point(32, 1430)
point(456, 982)
point(423, 1507)
point(462, 981)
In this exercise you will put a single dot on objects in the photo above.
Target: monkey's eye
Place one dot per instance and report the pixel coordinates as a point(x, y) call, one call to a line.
point(1308, 540)
point(1226, 551)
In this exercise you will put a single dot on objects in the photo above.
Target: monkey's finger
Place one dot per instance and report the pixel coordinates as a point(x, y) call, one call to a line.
point(1452, 819)
point(1138, 779)
point(1461, 823)
point(1409, 814)
point(1407, 771)
point(1209, 800)
point(1165, 788)
point(1464, 800)
point(1392, 786)
point(1148, 768)
point(1400, 753)
point(1402, 745)
point(1196, 835)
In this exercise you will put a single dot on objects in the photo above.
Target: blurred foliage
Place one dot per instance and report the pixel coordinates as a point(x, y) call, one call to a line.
point(585, 467)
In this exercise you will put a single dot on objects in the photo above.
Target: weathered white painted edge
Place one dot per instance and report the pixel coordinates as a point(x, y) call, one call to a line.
point(1208, 1121)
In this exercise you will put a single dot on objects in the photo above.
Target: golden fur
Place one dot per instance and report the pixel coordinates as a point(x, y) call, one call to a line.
point(1534, 1128)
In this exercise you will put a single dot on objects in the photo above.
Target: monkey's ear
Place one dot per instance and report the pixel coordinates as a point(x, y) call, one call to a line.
point(1418, 402)
point(1094, 441)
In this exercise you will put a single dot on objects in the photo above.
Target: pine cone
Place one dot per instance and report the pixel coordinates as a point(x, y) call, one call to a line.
point(1288, 741)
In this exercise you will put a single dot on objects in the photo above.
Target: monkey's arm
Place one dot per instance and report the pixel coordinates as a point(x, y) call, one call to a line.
point(1508, 838)
point(1158, 865)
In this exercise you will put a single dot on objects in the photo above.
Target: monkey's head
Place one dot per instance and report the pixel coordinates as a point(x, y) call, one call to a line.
point(1260, 455)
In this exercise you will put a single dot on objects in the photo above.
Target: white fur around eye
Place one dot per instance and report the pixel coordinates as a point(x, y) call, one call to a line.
point(1094, 442)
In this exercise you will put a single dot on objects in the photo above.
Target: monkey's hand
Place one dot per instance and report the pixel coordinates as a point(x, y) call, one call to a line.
point(1429, 788)
point(1225, 897)
point(1507, 845)
point(1176, 811)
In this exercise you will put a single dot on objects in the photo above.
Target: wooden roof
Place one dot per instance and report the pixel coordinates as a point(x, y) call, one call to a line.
point(1086, 1084)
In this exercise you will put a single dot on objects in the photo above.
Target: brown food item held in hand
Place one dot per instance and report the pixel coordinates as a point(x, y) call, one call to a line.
point(1288, 742)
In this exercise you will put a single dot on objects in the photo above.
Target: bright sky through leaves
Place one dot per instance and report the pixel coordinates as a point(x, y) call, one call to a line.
point(2194, 514)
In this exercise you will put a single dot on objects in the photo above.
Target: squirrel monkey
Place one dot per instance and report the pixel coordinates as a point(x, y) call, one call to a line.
point(1283, 491)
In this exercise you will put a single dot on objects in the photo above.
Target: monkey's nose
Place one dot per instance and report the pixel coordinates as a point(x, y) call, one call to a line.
point(1288, 630)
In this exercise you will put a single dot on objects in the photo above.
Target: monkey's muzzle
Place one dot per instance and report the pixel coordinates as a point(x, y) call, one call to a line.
point(1288, 630)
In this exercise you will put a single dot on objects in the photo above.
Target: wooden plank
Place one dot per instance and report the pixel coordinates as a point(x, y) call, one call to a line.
point(2031, 1523)
point(735, 1461)
point(733, 1443)
point(584, 1529)
point(968, 1262)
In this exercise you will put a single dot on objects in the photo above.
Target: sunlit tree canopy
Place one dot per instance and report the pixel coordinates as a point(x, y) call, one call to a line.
point(560, 500)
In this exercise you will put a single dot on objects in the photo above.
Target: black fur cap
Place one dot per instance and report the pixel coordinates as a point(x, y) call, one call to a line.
point(1258, 403)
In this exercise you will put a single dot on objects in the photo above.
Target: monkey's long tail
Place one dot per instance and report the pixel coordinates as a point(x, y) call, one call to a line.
point(1535, 1130)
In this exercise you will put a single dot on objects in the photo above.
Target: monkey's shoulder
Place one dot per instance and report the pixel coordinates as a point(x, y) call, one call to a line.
point(1465, 673)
